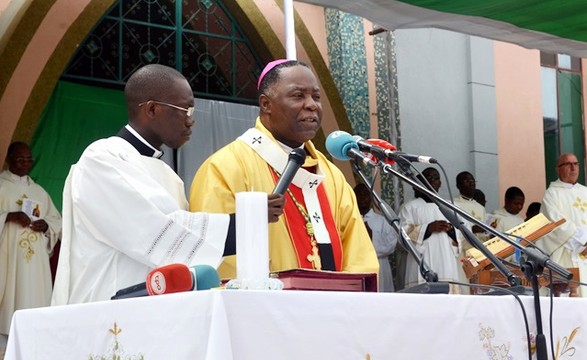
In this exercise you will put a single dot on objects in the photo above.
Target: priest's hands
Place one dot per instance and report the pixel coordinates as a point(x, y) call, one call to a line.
point(439, 226)
point(18, 217)
point(275, 206)
point(39, 226)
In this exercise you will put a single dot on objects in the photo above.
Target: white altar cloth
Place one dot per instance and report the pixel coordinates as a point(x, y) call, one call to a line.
point(240, 324)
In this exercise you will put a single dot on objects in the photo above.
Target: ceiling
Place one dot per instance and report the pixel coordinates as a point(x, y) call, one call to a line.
point(557, 26)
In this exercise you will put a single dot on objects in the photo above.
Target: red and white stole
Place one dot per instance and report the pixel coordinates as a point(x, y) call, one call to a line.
point(308, 190)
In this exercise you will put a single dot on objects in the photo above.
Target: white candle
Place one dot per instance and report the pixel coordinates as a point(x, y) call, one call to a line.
point(252, 237)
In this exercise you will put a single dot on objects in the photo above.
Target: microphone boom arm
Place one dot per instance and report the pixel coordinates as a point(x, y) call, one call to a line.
point(391, 217)
point(444, 207)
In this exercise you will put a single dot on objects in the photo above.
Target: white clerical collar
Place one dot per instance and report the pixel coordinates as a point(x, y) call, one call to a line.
point(288, 149)
point(563, 184)
point(466, 198)
point(156, 153)
point(369, 214)
point(19, 179)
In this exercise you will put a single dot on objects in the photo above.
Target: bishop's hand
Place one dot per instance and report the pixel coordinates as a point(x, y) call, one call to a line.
point(275, 204)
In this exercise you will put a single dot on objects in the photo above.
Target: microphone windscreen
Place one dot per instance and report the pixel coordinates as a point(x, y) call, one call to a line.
point(169, 279)
point(297, 155)
point(296, 158)
point(205, 277)
point(382, 143)
point(338, 143)
point(385, 145)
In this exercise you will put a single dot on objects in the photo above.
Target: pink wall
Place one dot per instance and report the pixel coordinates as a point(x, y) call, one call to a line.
point(520, 141)
point(53, 27)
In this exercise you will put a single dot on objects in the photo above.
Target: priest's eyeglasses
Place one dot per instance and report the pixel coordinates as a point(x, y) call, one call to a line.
point(21, 159)
point(575, 164)
point(189, 111)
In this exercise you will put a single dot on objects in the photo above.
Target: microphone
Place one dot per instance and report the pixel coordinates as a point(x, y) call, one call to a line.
point(172, 278)
point(295, 160)
point(383, 149)
point(164, 279)
point(205, 277)
point(169, 279)
point(342, 146)
point(376, 148)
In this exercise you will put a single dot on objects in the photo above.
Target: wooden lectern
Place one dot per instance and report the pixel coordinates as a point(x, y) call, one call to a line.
point(496, 278)
point(478, 268)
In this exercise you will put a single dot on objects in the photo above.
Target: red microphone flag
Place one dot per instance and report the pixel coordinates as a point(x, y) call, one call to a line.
point(169, 279)
point(385, 145)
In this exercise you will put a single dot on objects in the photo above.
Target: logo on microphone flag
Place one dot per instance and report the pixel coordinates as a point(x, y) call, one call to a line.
point(157, 284)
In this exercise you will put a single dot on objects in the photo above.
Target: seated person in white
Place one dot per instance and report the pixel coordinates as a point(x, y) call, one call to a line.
point(508, 216)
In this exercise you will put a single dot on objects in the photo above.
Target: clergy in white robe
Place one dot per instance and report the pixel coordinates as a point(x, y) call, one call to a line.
point(124, 210)
point(508, 217)
point(567, 199)
point(384, 239)
point(383, 236)
point(25, 274)
point(433, 236)
point(466, 201)
point(466, 184)
point(123, 215)
point(472, 208)
point(503, 221)
point(438, 249)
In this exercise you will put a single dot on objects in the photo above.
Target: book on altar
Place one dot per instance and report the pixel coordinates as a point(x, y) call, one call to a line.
point(307, 279)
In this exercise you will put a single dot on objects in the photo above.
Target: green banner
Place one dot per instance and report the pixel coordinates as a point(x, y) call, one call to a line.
point(75, 116)
point(566, 19)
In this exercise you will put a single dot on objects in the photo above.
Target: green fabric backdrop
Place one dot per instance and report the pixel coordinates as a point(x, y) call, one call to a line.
point(75, 116)
point(566, 19)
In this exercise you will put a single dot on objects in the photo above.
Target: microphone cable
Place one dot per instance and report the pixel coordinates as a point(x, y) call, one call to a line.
point(551, 314)
point(551, 277)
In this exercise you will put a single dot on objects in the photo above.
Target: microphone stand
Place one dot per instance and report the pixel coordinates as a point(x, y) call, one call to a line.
point(531, 270)
point(446, 207)
point(537, 256)
point(392, 219)
point(532, 264)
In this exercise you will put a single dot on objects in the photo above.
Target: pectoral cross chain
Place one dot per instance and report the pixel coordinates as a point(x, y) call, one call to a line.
point(314, 257)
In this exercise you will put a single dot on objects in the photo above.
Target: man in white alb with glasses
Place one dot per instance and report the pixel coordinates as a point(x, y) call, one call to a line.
point(566, 198)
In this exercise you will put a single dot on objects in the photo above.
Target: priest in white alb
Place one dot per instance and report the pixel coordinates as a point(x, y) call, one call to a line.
point(566, 199)
point(30, 225)
point(507, 217)
point(433, 236)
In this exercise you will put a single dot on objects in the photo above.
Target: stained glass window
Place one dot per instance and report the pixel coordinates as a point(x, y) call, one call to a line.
point(199, 38)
